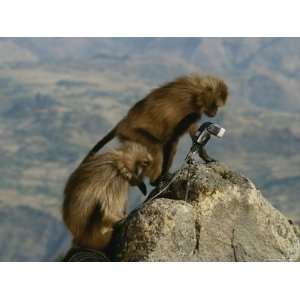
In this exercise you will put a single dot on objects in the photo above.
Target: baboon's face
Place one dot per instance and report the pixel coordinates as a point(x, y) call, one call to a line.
point(213, 102)
point(212, 107)
point(141, 166)
point(140, 170)
point(138, 167)
point(211, 110)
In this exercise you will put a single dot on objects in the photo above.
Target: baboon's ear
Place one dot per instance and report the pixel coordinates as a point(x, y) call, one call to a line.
point(224, 91)
point(198, 99)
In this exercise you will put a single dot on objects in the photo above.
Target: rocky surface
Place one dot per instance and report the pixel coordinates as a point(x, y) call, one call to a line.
point(225, 218)
point(77, 254)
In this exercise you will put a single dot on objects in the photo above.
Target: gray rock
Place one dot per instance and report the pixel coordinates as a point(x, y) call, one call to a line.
point(225, 218)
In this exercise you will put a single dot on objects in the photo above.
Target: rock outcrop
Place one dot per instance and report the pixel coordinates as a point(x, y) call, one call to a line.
point(225, 218)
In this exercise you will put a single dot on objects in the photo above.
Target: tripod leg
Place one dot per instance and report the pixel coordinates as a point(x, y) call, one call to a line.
point(203, 154)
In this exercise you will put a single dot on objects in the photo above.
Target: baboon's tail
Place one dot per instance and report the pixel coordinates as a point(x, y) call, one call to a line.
point(102, 143)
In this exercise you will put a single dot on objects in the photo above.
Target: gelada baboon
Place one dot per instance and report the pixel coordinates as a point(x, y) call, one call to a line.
point(158, 120)
point(96, 193)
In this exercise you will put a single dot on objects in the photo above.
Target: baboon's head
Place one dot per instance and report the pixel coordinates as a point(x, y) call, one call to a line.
point(140, 168)
point(137, 160)
point(213, 94)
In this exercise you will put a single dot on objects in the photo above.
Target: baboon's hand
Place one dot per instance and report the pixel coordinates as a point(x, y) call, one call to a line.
point(142, 187)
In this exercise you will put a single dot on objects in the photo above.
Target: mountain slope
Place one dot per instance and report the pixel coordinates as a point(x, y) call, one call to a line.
point(59, 96)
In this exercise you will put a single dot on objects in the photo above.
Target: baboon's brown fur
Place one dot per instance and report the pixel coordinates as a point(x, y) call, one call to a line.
point(96, 193)
point(166, 113)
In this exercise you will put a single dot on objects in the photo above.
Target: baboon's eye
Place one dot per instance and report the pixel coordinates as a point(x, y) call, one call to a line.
point(145, 163)
point(209, 89)
point(213, 106)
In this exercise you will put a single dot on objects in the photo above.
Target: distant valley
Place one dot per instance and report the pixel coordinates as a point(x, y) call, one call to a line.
point(59, 96)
